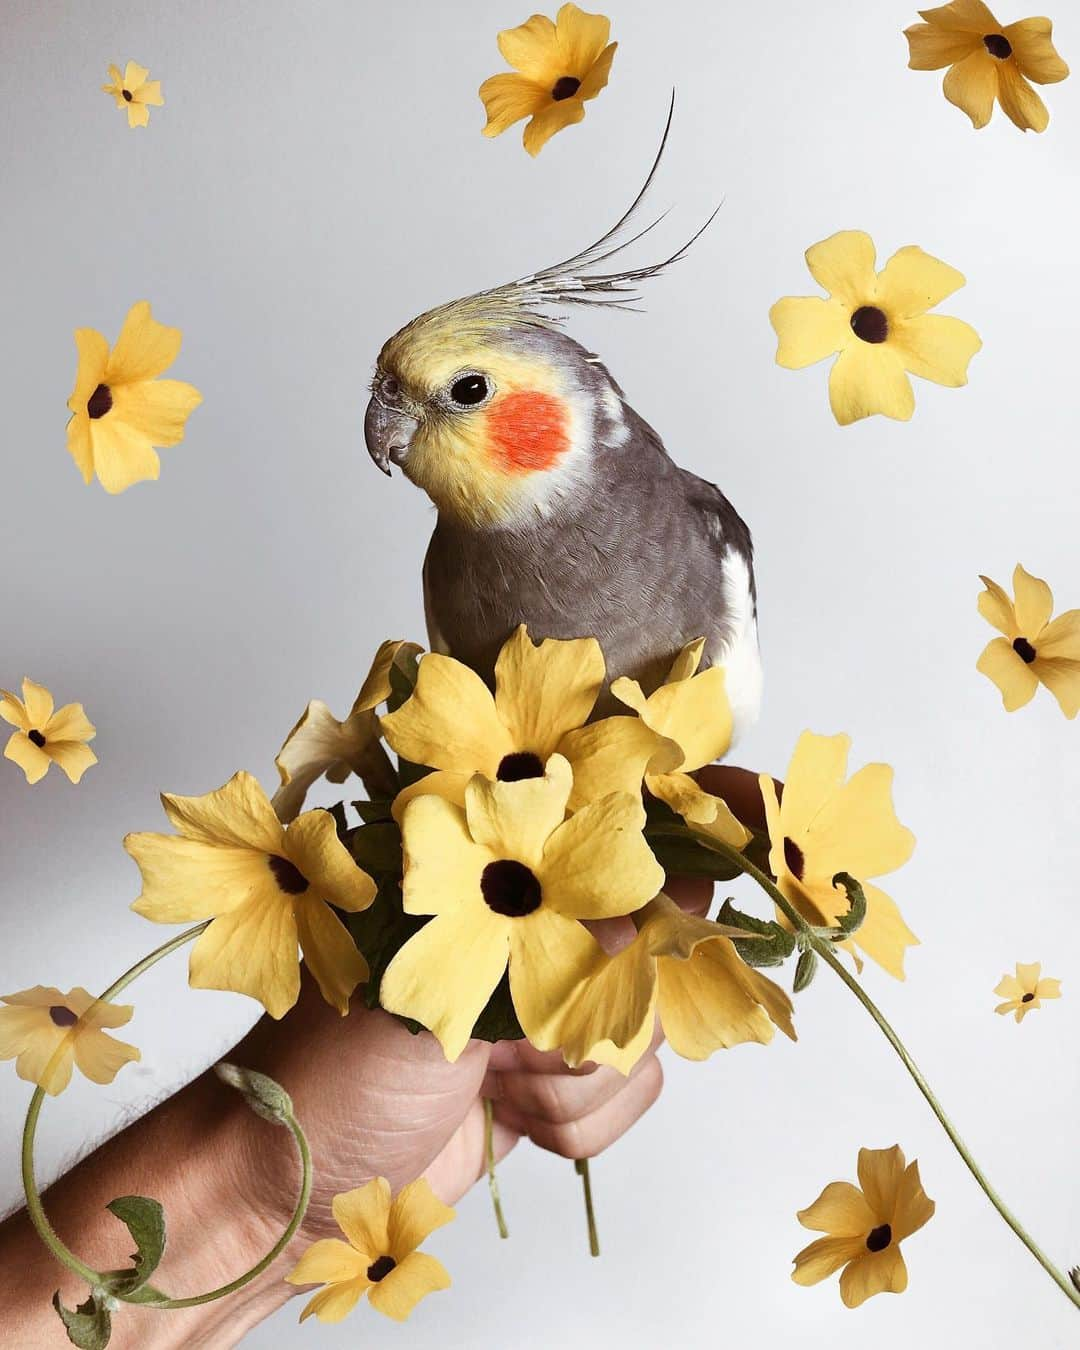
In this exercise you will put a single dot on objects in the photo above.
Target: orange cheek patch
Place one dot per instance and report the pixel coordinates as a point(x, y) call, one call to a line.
point(527, 431)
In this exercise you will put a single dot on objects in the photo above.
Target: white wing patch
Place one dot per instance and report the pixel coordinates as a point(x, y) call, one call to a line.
point(739, 654)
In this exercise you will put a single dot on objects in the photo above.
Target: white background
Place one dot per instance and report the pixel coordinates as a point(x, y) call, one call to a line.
point(317, 177)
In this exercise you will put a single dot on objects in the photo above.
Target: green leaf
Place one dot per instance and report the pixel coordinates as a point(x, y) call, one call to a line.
point(372, 812)
point(805, 970)
point(124, 1283)
point(340, 822)
point(145, 1221)
point(265, 1097)
point(377, 848)
point(404, 670)
point(853, 919)
point(680, 855)
point(499, 1020)
point(773, 945)
point(89, 1326)
point(380, 931)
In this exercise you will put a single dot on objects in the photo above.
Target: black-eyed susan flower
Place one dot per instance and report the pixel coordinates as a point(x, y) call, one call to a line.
point(1025, 991)
point(558, 67)
point(877, 325)
point(684, 970)
point(43, 736)
point(380, 1258)
point(47, 1033)
point(509, 880)
point(454, 724)
point(120, 408)
point(1035, 648)
point(320, 744)
point(134, 92)
point(988, 62)
point(824, 826)
point(267, 887)
point(865, 1225)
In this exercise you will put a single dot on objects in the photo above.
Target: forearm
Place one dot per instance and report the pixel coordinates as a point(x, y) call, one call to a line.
point(196, 1154)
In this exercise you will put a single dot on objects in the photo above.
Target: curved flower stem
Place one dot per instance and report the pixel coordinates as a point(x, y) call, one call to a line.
point(489, 1155)
point(67, 1257)
point(824, 948)
point(581, 1167)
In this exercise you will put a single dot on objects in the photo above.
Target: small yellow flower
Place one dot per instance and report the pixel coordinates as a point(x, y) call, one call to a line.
point(49, 1032)
point(452, 723)
point(823, 826)
point(865, 1227)
point(685, 971)
point(267, 888)
point(879, 325)
point(135, 92)
point(120, 409)
point(380, 1258)
point(559, 66)
point(987, 61)
point(43, 737)
point(320, 744)
point(1034, 649)
point(1025, 991)
point(508, 879)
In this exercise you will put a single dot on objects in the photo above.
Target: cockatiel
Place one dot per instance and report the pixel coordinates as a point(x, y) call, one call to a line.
point(558, 506)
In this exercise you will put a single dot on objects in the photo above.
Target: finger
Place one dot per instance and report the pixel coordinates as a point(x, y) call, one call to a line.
point(692, 894)
point(463, 1161)
point(590, 1134)
point(506, 1056)
point(739, 788)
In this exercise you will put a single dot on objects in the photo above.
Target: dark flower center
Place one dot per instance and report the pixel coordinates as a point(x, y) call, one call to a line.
point(509, 888)
point(870, 323)
point(378, 1270)
point(998, 45)
point(566, 86)
point(37, 738)
point(1027, 998)
point(521, 764)
point(793, 856)
point(879, 1239)
point(287, 875)
point(1024, 650)
point(127, 95)
point(100, 401)
point(63, 1017)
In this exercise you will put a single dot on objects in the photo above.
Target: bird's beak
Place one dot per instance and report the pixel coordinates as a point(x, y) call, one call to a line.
point(388, 434)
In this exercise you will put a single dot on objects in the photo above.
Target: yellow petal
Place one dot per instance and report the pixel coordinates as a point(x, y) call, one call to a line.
point(581, 37)
point(873, 1273)
point(808, 329)
point(79, 445)
point(1009, 987)
point(1034, 603)
point(869, 379)
point(937, 348)
point(515, 820)
point(913, 281)
point(880, 1170)
point(843, 265)
point(238, 814)
point(815, 775)
point(138, 114)
point(1019, 102)
point(551, 119)
point(363, 1215)
point(913, 1207)
point(134, 76)
point(122, 456)
point(13, 711)
point(883, 936)
point(47, 1061)
point(533, 49)
point(251, 950)
point(156, 409)
point(713, 1001)
point(1048, 989)
point(440, 783)
point(962, 16)
point(144, 349)
point(330, 1261)
point(597, 78)
point(609, 1017)
point(933, 48)
point(598, 864)
point(825, 1257)
point(185, 879)
point(416, 1212)
point(38, 703)
point(840, 1209)
point(94, 1012)
point(687, 662)
point(1059, 640)
point(70, 723)
point(549, 957)
point(412, 1279)
point(508, 98)
point(376, 687)
point(544, 691)
point(72, 756)
point(33, 761)
point(150, 93)
point(693, 713)
point(93, 354)
point(329, 952)
point(312, 844)
point(336, 1301)
point(612, 755)
point(449, 722)
point(442, 863)
point(101, 1057)
point(445, 974)
point(1062, 678)
point(710, 814)
point(855, 830)
point(1016, 680)
point(1033, 48)
point(997, 609)
point(1028, 974)
point(316, 742)
point(972, 85)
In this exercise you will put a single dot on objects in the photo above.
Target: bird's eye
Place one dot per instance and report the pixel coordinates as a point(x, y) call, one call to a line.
point(390, 387)
point(468, 390)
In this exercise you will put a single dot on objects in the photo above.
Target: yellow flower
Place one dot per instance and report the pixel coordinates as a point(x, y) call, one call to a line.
point(49, 1032)
point(686, 971)
point(1025, 991)
point(135, 92)
point(558, 67)
point(1035, 649)
point(43, 737)
point(452, 723)
point(987, 61)
point(508, 880)
point(380, 1258)
point(267, 888)
point(879, 325)
point(320, 744)
point(120, 409)
point(823, 826)
point(865, 1227)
